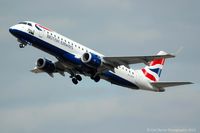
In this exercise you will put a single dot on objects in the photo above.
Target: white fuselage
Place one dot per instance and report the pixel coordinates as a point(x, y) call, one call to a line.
point(55, 40)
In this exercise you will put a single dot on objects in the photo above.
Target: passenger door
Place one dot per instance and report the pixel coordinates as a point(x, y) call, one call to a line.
point(39, 30)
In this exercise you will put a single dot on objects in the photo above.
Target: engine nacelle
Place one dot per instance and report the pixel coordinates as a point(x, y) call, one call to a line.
point(91, 60)
point(46, 65)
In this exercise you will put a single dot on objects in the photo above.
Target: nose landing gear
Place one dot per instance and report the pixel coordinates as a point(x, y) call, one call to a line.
point(21, 45)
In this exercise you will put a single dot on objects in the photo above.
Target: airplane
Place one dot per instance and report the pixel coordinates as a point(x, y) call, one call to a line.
point(77, 60)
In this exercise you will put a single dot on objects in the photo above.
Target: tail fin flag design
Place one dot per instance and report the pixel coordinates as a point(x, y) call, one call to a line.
point(153, 71)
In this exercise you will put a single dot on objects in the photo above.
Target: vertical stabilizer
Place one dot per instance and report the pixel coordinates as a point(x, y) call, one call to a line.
point(153, 71)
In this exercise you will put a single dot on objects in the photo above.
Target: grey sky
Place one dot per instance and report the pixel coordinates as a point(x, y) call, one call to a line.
point(37, 103)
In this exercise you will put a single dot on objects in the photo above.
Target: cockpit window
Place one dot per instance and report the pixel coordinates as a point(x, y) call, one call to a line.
point(25, 23)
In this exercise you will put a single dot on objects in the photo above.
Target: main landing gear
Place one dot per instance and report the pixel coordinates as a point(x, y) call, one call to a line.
point(76, 78)
point(95, 78)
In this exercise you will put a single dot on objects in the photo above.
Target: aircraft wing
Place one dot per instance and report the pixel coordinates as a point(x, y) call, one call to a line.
point(127, 60)
point(161, 84)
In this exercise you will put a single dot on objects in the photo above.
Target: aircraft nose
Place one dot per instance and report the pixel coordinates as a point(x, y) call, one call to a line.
point(11, 29)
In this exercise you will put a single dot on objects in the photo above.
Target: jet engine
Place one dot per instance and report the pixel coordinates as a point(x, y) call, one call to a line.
point(91, 60)
point(46, 65)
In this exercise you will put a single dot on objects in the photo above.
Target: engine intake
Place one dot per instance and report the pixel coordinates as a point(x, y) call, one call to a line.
point(46, 65)
point(91, 60)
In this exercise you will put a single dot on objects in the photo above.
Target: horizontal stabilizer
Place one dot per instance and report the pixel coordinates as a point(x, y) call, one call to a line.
point(168, 84)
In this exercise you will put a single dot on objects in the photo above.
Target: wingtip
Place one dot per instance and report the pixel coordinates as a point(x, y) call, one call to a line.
point(172, 55)
point(191, 83)
point(168, 55)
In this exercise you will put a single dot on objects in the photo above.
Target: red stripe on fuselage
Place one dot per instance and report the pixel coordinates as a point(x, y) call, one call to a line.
point(148, 75)
point(43, 27)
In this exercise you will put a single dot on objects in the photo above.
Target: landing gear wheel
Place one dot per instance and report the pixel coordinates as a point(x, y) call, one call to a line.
point(21, 45)
point(97, 78)
point(74, 80)
point(78, 77)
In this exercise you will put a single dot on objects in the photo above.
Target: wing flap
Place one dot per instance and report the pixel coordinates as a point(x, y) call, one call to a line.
point(36, 70)
point(168, 84)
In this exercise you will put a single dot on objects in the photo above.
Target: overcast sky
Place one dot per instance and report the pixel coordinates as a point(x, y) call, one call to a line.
point(31, 103)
